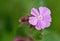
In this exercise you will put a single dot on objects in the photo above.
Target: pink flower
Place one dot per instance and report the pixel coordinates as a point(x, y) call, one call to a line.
point(19, 39)
point(16, 39)
point(40, 19)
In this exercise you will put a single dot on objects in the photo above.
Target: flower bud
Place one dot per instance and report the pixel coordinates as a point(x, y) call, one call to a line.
point(24, 19)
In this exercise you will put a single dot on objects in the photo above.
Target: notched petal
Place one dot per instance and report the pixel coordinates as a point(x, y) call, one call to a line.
point(33, 20)
point(44, 11)
point(34, 12)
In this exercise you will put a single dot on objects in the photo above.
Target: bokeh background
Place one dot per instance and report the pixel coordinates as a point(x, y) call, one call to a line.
point(12, 10)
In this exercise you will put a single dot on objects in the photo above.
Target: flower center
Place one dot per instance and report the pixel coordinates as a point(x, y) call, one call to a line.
point(40, 17)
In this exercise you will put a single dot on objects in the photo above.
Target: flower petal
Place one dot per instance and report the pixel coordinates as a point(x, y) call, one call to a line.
point(43, 25)
point(47, 18)
point(40, 25)
point(47, 24)
point(33, 20)
point(44, 11)
point(34, 12)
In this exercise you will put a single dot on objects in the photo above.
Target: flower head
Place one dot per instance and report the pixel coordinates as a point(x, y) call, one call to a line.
point(40, 19)
point(19, 39)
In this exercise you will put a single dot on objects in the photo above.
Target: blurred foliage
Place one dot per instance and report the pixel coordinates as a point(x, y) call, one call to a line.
point(12, 10)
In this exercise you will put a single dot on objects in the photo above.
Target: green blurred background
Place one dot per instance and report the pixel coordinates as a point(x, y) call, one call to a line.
point(12, 10)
